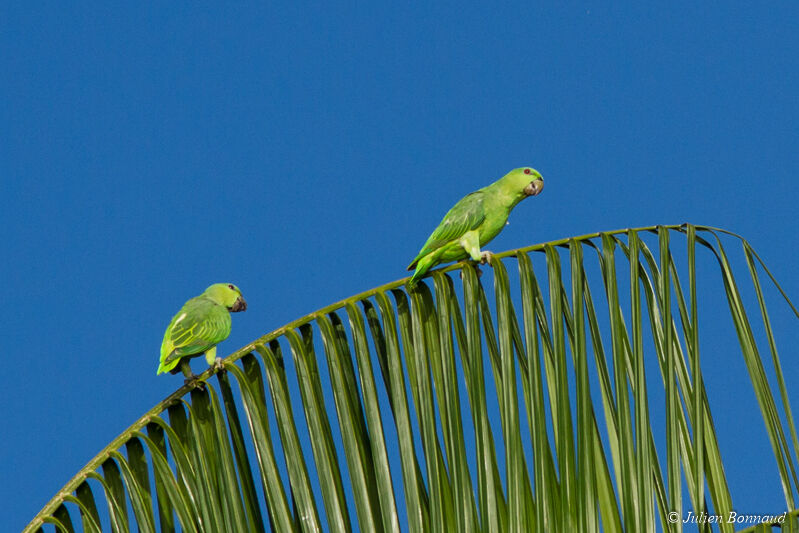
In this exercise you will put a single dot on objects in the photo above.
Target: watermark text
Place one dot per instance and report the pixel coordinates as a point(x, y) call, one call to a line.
point(733, 517)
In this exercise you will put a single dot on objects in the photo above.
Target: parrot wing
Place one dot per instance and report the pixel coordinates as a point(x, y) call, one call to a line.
point(198, 326)
point(466, 215)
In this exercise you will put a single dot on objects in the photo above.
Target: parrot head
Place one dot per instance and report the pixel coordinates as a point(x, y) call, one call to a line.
point(228, 295)
point(524, 181)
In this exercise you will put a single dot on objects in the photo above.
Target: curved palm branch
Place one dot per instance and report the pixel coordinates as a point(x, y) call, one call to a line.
point(553, 432)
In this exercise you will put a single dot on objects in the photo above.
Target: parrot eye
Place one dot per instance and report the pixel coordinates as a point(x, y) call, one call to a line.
point(527, 171)
point(231, 287)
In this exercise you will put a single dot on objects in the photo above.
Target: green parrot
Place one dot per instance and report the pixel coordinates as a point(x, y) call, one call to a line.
point(475, 220)
point(201, 324)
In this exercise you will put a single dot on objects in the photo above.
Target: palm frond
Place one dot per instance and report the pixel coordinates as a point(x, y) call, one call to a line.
point(521, 405)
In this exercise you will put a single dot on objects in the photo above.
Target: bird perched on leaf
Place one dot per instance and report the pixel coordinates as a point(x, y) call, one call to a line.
point(201, 324)
point(475, 220)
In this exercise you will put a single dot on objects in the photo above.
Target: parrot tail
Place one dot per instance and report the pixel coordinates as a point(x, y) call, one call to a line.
point(167, 365)
point(422, 266)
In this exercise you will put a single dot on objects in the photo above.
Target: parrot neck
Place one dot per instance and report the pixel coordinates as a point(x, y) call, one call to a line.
point(505, 198)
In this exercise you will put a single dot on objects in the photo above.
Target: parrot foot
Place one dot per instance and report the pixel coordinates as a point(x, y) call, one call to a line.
point(195, 381)
point(191, 378)
point(218, 365)
point(486, 257)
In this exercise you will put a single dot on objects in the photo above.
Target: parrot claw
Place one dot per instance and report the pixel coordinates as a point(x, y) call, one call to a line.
point(195, 381)
point(218, 365)
point(486, 257)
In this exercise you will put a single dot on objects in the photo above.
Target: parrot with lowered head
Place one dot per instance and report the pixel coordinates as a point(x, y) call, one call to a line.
point(475, 220)
point(201, 324)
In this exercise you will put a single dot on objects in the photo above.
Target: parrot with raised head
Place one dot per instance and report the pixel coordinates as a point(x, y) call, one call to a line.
point(475, 220)
point(201, 324)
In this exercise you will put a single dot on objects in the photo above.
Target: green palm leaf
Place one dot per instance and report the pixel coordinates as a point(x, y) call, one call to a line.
point(516, 405)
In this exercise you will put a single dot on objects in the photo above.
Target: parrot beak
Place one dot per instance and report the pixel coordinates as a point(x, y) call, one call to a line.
point(534, 187)
point(239, 305)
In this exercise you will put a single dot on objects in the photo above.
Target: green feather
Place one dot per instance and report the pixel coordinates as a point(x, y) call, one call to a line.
point(201, 324)
point(475, 220)
point(464, 216)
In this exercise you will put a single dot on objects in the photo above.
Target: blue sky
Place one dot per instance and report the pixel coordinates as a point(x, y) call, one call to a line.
point(305, 153)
